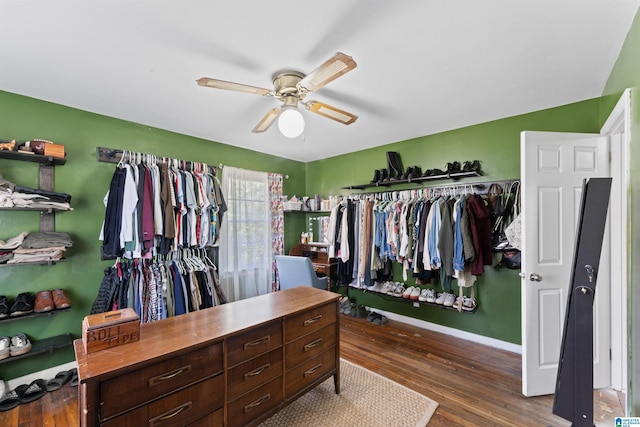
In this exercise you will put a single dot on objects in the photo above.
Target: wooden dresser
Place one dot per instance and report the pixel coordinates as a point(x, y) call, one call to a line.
point(232, 365)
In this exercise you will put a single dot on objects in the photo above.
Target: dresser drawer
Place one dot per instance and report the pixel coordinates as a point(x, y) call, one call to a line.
point(258, 341)
point(177, 409)
point(251, 374)
point(309, 346)
point(143, 385)
point(301, 376)
point(214, 419)
point(254, 403)
point(310, 321)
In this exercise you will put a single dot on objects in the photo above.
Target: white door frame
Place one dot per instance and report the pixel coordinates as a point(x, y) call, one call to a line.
point(618, 127)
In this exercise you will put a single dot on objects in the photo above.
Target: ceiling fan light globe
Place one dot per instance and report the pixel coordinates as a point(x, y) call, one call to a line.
point(291, 123)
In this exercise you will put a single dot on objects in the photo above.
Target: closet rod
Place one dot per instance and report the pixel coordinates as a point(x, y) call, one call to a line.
point(221, 166)
point(476, 187)
point(114, 155)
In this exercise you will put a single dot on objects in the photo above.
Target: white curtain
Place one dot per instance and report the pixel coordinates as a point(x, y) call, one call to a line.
point(245, 236)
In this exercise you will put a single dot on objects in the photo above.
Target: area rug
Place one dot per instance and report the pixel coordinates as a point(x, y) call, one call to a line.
point(365, 399)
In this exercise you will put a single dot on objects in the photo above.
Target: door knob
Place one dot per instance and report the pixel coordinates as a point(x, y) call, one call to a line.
point(535, 277)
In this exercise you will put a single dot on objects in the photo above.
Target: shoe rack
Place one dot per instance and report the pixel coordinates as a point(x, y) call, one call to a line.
point(46, 181)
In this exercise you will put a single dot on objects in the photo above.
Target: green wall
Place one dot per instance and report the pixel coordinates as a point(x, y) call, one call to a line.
point(626, 74)
point(497, 145)
point(87, 180)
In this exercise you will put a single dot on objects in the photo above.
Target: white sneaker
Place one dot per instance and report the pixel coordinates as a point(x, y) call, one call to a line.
point(468, 304)
point(5, 347)
point(440, 298)
point(415, 294)
point(449, 299)
point(423, 295)
point(431, 296)
point(386, 288)
point(407, 292)
point(399, 290)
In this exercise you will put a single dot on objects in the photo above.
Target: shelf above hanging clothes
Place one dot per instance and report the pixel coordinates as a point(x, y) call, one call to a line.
point(419, 180)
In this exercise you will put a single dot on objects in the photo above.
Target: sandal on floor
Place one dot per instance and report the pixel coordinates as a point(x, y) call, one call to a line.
point(60, 379)
point(379, 319)
point(9, 401)
point(31, 392)
point(74, 377)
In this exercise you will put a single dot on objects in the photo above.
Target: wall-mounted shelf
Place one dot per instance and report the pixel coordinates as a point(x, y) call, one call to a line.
point(46, 345)
point(307, 212)
point(418, 180)
point(43, 263)
point(36, 158)
point(415, 303)
point(34, 314)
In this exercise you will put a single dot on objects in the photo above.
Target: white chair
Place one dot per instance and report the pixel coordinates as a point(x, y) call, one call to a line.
point(298, 271)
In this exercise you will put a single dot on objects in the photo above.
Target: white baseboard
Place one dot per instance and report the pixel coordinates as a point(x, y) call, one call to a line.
point(45, 374)
point(480, 339)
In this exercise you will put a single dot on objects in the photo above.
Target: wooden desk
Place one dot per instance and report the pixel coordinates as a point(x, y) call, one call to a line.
point(250, 359)
point(320, 259)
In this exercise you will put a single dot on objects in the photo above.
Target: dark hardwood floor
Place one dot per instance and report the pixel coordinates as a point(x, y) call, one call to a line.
point(475, 385)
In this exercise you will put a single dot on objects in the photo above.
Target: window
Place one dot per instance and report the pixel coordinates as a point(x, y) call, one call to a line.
point(245, 236)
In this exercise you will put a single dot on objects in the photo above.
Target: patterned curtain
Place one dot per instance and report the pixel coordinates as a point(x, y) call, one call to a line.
point(277, 225)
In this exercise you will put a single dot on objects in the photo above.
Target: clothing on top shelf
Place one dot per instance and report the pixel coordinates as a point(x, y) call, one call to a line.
point(15, 196)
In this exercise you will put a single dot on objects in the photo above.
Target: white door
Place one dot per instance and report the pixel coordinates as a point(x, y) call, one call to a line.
point(553, 167)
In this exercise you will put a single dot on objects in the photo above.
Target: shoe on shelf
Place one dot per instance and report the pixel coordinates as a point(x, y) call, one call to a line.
point(431, 296)
point(5, 347)
point(23, 304)
point(415, 294)
point(44, 302)
point(4, 307)
point(471, 166)
point(376, 176)
point(20, 344)
point(407, 292)
point(449, 299)
point(423, 295)
point(60, 299)
point(440, 298)
point(468, 304)
point(399, 290)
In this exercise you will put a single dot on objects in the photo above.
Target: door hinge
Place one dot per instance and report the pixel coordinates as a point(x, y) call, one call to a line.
point(610, 356)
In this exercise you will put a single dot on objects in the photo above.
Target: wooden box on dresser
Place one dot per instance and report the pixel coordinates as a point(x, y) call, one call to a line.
point(231, 365)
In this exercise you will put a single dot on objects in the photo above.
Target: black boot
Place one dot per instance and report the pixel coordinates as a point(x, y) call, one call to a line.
point(376, 176)
point(394, 164)
point(384, 175)
point(416, 172)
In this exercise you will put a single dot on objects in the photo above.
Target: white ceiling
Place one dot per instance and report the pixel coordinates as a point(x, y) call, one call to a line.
point(424, 66)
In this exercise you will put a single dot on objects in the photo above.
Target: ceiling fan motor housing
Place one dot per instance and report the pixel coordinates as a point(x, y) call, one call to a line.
point(285, 86)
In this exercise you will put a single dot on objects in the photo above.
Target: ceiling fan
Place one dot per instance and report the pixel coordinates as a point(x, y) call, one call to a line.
point(291, 88)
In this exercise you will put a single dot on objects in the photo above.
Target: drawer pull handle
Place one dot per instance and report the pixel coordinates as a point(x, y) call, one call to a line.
point(169, 375)
point(258, 371)
point(313, 370)
point(257, 342)
point(170, 414)
point(257, 403)
point(313, 344)
point(313, 320)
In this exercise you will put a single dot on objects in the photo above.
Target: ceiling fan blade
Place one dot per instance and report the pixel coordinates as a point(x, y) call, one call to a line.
point(238, 87)
point(333, 68)
point(330, 112)
point(267, 120)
